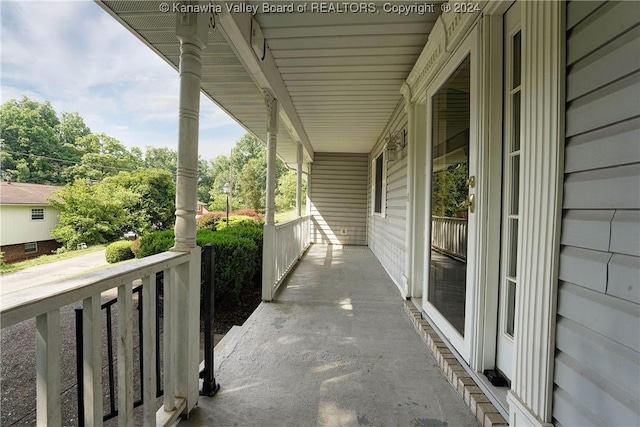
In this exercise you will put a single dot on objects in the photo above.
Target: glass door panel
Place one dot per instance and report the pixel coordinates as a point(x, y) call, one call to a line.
point(451, 106)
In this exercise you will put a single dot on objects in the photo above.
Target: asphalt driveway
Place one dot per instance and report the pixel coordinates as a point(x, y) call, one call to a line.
point(45, 273)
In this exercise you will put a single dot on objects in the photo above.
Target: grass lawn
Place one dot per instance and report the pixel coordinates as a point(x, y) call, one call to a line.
point(45, 259)
point(288, 215)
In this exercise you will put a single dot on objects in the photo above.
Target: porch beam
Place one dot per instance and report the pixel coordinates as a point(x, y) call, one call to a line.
point(237, 27)
point(530, 399)
point(269, 239)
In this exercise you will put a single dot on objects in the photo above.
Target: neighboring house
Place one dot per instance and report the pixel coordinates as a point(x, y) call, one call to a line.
point(26, 220)
point(201, 210)
point(489, 157)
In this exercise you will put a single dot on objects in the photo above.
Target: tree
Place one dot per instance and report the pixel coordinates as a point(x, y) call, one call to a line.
point(104, 156)
point(252, 185)
point(70, 129)
point(161, 158)
point(250, 193)
point(286, 191)
point(28, 130)
point(154, 205)
point(205, 180)
point(90, 214)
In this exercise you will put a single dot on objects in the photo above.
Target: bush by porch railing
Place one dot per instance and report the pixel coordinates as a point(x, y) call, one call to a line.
point(238, 258)
point(119, 251)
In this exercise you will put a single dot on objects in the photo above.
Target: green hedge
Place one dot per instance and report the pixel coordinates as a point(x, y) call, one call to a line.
point(218, 221)
point(155, 243)
point(254, 234)
point(236, 258)
point(119, 251)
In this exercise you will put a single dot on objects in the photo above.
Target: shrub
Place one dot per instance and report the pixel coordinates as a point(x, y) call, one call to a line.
point(155, 243)
point(236, 258)
point(255, 234)
point(235, 265)
point(119, 251)
point(248, 212)
point(238, 221)
point(209, 220)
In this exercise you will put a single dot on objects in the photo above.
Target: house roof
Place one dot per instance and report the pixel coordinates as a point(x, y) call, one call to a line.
point(22, 193)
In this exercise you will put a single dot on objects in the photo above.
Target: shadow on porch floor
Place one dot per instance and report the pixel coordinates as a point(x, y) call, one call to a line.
point(336, 348)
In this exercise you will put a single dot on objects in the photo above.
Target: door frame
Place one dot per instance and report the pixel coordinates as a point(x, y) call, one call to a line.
point(471, 47)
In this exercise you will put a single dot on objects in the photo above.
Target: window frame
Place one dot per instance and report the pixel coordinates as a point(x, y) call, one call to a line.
point(379, 191)
point(28, 245)
point(31, 214)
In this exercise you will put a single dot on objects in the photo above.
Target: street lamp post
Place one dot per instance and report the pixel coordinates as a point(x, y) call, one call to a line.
point(227, 190)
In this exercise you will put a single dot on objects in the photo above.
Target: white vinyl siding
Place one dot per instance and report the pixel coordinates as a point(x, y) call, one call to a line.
point(597, 366)
point(16, 226)
point(339, 198)
point(387, 234)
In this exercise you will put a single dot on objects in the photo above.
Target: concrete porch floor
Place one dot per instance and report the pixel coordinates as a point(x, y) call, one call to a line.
point(335, 349)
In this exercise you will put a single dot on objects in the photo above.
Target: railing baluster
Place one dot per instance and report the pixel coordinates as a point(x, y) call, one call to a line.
point(125, 355)
point(112, 392)
point(149, 349)
point(92, 360)
point(48, 369)
point(169, 330)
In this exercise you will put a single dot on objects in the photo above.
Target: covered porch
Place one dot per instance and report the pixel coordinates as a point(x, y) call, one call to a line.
point(335, 348)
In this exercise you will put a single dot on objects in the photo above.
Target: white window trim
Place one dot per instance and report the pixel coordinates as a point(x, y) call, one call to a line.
point(35, 246)
point(383, 196)
point(36, 219)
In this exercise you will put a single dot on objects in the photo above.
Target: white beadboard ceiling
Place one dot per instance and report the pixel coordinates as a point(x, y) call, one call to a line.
point(343, 71)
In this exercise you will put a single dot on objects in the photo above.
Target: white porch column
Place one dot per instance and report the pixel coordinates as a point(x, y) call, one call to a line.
point(308, 195)
point(542, 166)
point(269, 240)
point(409, 240)
point(299, 182)
point(192, 31)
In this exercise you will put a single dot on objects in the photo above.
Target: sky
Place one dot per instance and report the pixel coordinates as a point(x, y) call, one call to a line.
point(73, 54)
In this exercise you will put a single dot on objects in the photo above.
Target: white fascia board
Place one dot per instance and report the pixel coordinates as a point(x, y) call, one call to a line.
point(237, 29)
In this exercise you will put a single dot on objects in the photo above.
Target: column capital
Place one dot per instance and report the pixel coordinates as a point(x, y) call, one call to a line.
point(272, 111)
point(405, 90)
point(193, 22)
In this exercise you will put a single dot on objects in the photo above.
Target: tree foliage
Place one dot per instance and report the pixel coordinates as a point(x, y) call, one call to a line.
point(286, 194)
point(154, 207)
point(141, 202)
point(40, 146)
point(450, 192)
point(90, 214)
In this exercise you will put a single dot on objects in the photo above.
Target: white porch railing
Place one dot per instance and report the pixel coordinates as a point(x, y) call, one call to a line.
point(449, 235)
point(43, 303)
point(284, 244)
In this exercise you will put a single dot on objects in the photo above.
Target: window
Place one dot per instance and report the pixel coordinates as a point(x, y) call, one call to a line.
point(37, 214)
point(30, 248)
point(379, 181)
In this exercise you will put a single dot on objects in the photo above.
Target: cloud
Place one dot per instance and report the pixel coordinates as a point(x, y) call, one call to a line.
point(82, 60)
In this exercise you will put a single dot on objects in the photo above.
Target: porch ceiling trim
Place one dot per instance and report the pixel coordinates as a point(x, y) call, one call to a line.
point(237, 29)
point(337, 76)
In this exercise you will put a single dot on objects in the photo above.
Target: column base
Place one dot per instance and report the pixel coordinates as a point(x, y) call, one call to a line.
point(521, 415)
